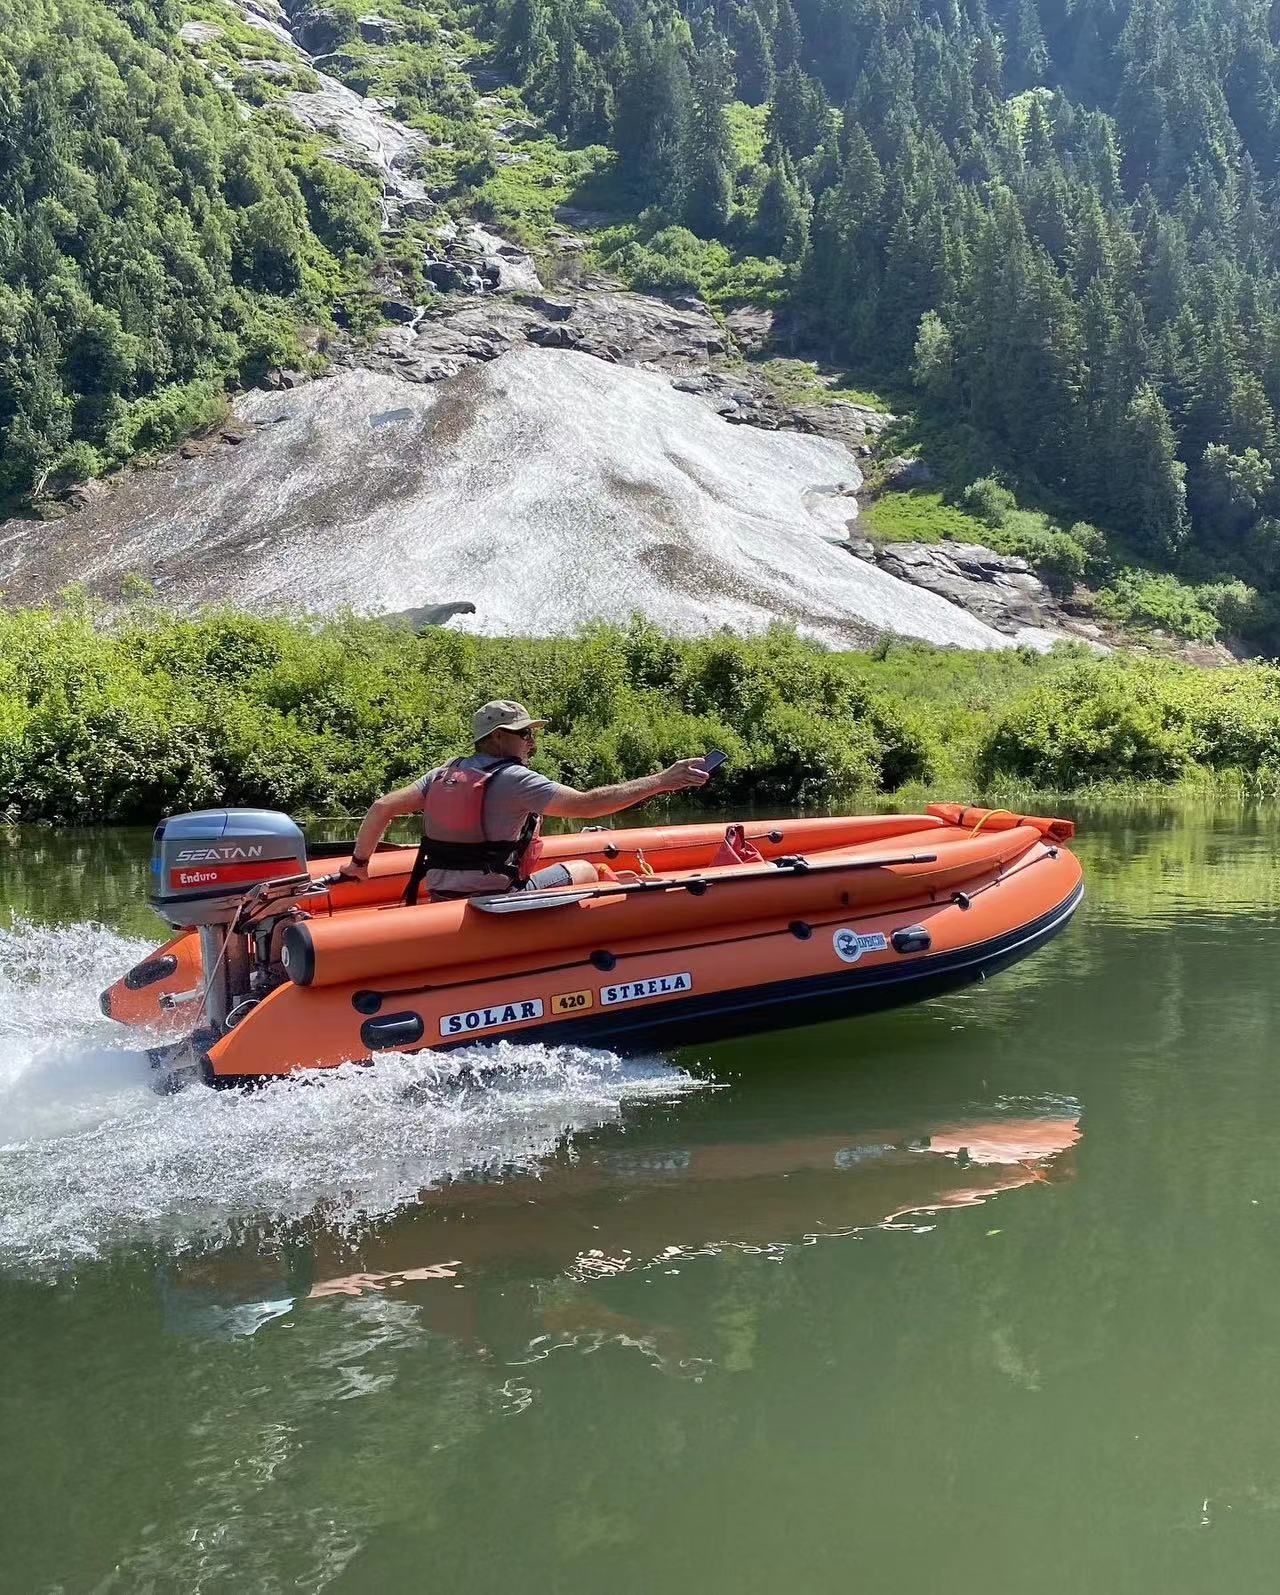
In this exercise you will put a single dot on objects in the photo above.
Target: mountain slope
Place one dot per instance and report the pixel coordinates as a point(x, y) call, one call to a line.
point(156, 241)
point(547, 488)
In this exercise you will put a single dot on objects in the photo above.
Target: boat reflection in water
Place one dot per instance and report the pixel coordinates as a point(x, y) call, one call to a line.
point(597, 1212)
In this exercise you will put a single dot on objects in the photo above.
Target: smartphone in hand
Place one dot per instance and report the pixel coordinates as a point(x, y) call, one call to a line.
point(712, 761)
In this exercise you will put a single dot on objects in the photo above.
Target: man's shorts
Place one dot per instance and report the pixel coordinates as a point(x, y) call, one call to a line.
point(548, 875)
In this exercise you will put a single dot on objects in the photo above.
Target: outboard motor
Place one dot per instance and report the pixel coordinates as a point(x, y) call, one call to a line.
point(201, 867)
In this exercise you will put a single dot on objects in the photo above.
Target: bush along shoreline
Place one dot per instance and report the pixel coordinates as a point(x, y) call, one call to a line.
point(156, 714)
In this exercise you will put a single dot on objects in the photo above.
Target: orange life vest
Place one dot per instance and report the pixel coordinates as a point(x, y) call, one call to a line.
point(454, 835)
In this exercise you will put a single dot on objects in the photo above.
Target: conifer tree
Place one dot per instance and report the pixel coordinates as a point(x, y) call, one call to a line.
point(752, 56)
point(781, 218)
point(523, 36)
point(653, 114)
point(708, 144)
point(787, 40)
point(569, 99)
point(1152, 495)
point(1028, 53)
point(798, 116)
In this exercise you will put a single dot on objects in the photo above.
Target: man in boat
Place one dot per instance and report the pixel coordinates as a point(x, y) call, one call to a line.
point(481, 814)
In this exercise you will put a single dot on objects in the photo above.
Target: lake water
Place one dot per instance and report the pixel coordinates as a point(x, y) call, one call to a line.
point(976, 1297)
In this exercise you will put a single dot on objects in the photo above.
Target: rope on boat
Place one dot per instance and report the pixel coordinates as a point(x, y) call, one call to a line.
point(989, 815)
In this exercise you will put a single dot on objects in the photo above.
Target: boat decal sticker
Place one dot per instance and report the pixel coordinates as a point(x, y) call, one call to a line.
point(572, 1001)
point(851, 944)
point(190, 875)
point(656, 986)
point(498, 1013)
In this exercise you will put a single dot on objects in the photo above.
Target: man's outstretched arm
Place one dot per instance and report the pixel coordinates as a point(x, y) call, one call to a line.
point(569, 804)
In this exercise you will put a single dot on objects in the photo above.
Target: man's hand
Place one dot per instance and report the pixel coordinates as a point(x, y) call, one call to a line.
point(684, 774)
point(354, 871)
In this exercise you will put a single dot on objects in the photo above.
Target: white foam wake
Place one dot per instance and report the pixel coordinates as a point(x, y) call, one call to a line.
point(63, 1067)
point(91, 1158)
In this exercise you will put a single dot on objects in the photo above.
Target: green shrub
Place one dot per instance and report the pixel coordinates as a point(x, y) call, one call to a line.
point(78, 462)
point(1234, 605)
point(1056, 556)
point(1140, 720)
point(159, 713)
point(1095, 723)
point(153, 423)
point(748, 281)
point(342, 206)
point(919, 516)
point(672, 259)
point(989, 500)
point(162, 713)
point(1140, 598)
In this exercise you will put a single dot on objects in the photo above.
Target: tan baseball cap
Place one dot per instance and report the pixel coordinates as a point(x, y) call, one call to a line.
point(502, 715)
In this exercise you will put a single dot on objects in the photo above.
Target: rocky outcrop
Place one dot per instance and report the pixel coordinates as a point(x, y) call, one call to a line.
point(1001, 590)
point(431, 615)
point(677, 336)
point(744, 399)
point(622, 328)
point(546, 488)
point(751, 327)
point(443, 343)
point(199, 32)
point(509, 268)
point(378, 30)
point(904, 473)
point(318, 29)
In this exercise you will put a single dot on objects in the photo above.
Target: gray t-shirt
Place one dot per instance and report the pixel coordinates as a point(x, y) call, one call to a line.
point(510, 797)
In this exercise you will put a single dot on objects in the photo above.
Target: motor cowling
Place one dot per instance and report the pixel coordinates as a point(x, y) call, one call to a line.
point(202, 864)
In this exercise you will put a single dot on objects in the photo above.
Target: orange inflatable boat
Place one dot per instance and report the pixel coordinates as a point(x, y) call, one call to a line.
point(276, 965)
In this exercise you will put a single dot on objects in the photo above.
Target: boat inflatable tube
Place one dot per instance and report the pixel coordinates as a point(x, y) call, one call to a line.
point(689, 940)
point(372, 944)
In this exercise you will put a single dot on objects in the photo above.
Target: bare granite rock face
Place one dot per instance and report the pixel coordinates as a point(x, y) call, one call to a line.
point(904, 472)
point(751, 327)
point(378, 30)
point(680, 337)
point(620, 327)
point(441, 344)
point(999, 589)
point(509, 267)
point(854, 425)
point(544, 487)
